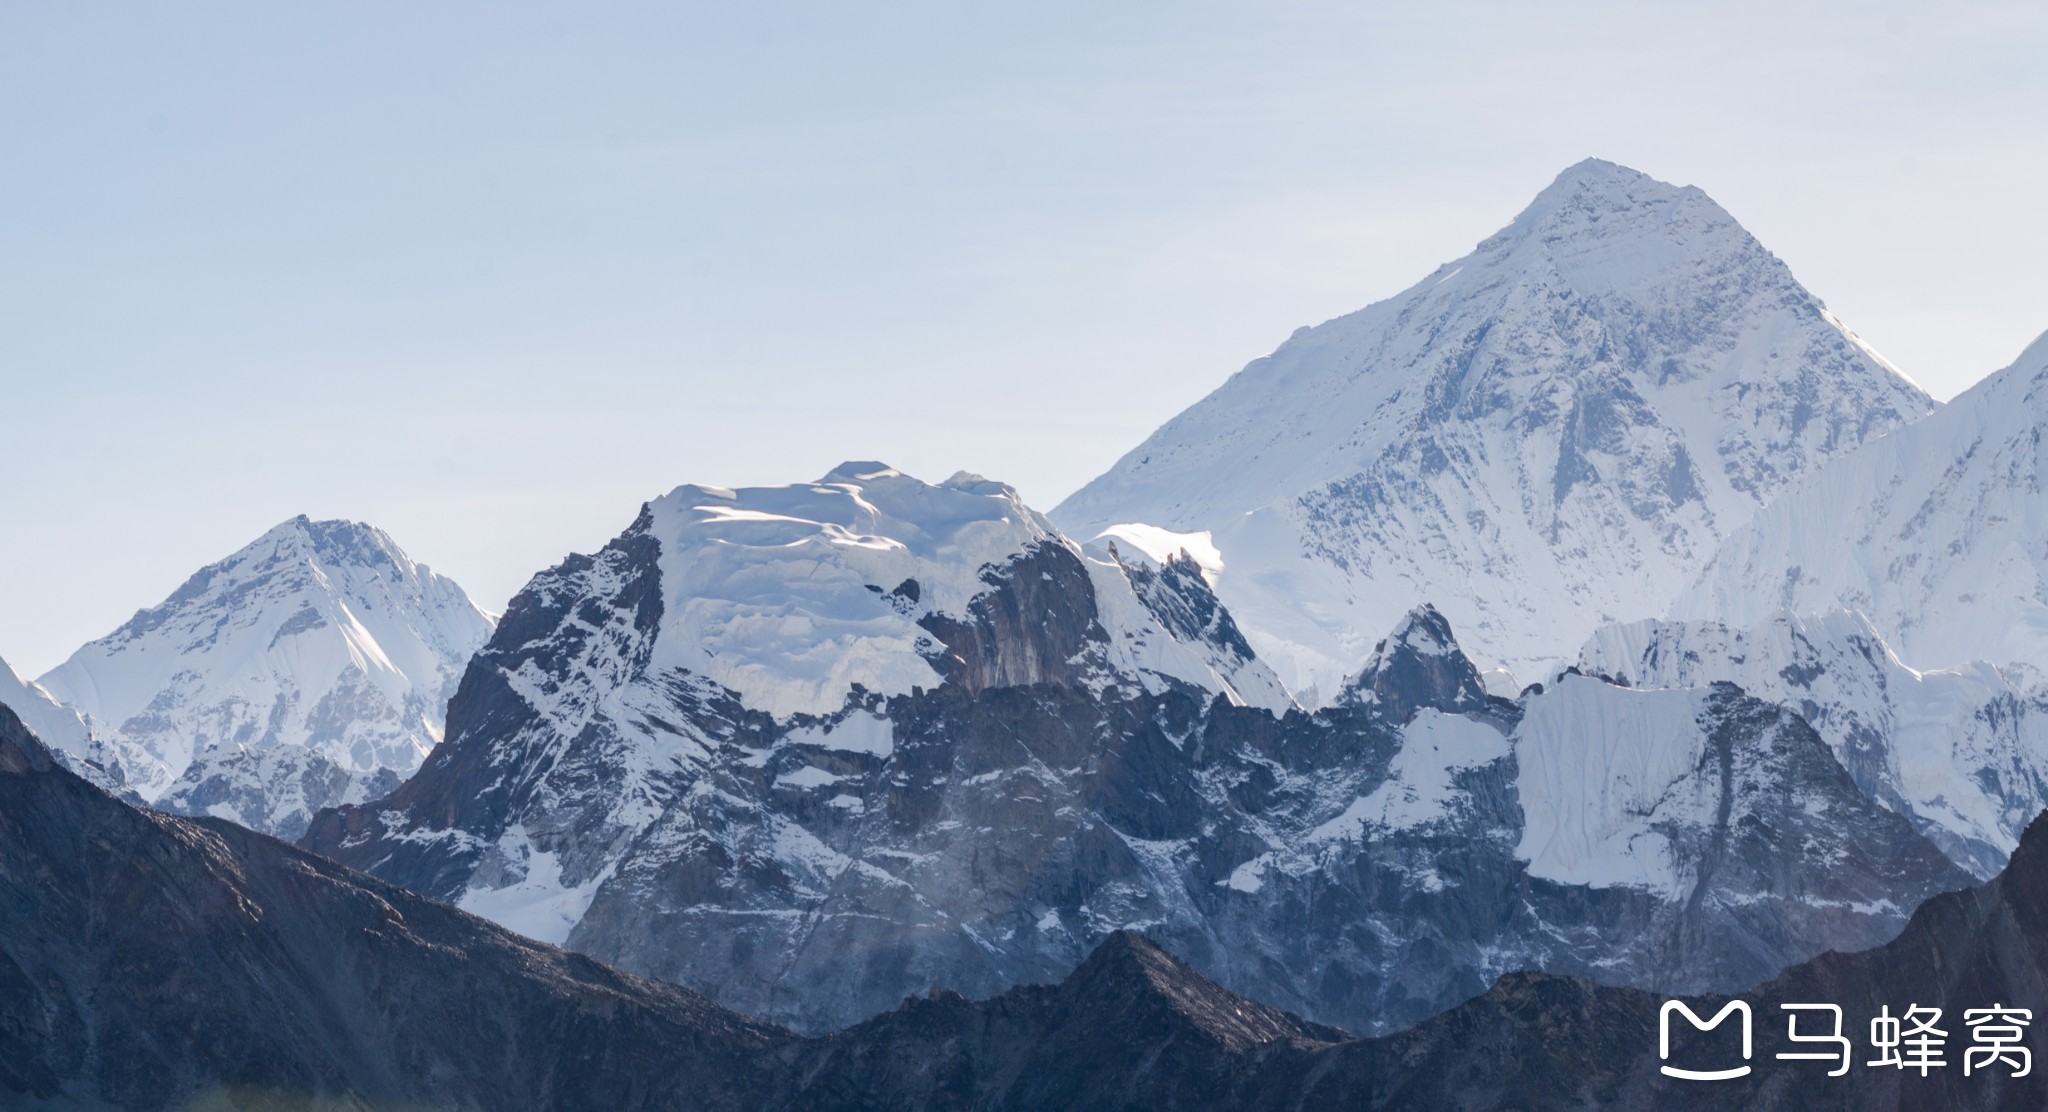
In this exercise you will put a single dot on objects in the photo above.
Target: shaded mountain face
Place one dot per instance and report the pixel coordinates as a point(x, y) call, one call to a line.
point(1118, 1034)
point(1133, 1027)
point(1939, 533)
point(148, 961)
point(309, 669)
point(1034, 745)
point(1962, 753)
point(1553, 432)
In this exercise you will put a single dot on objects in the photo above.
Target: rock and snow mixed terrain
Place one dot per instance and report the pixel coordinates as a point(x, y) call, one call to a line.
point(291, 982)
point(810, 749)
point(1962, 752)
point(310, 668)
point(1938, 532)
point(1553, 432)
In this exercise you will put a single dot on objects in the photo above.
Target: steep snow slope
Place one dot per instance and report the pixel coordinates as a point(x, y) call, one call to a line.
point(1962, 753)
point(1938, 532)
point(60, 727)
point(1552, 432)
point(320, 648)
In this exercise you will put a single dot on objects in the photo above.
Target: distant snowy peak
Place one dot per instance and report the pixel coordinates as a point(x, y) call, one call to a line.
point(321, 634)
point(792, 596)
point(1709, 795)
point(1938, 532)
point(1554, 431)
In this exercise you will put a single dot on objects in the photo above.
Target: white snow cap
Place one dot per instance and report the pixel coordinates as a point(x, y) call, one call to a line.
point(766, 590)
point(1599, 768)
point(790, 595)
point(57, 726)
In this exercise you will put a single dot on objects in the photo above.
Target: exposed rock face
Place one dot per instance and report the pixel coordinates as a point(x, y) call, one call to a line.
point(277, 788)
point(1419, 665)
point(306, 670)
point(1552, 432)
point(1114, 1035)
point(1062, 750)
point(1545, 1042)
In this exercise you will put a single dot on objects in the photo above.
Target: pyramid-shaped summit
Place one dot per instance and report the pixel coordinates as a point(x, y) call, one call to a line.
point(1552, 432)
point(311, 664)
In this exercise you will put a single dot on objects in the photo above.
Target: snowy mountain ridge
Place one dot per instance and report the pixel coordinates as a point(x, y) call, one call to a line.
point(1015, 746)
point(1938, 532)
point(318, 656)
point(1550, 433)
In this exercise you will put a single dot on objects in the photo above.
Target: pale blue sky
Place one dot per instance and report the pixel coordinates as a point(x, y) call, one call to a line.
point(490, 275)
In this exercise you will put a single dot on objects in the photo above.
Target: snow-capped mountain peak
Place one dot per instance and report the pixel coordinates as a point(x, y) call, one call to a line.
point(1551, 432)
point(768, 590)
point(1961, 753)
point(793, 596)
point(319, 635)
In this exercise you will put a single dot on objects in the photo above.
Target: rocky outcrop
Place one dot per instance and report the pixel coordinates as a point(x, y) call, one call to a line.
point(1418, 665)
point(1547, 1042)
point(1962, 752)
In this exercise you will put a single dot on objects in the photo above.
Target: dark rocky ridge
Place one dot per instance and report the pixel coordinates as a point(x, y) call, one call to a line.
point(1034, 625)
point(148, 960)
